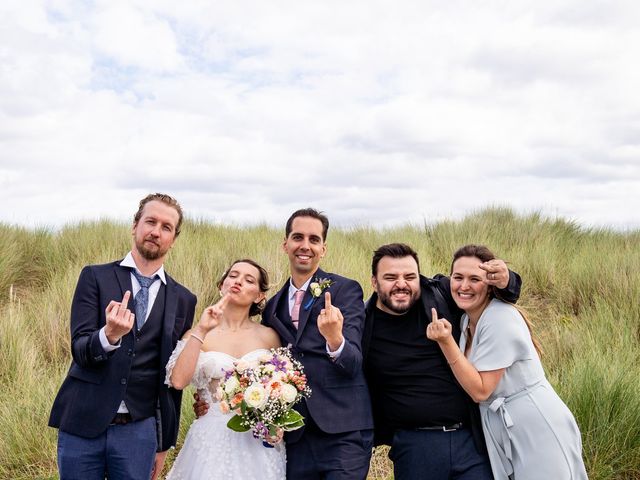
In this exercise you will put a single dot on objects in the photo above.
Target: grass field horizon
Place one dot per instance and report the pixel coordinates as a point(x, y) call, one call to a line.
point(581, 289)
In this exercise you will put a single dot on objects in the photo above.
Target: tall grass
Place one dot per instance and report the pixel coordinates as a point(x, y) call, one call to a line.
point(581, 290)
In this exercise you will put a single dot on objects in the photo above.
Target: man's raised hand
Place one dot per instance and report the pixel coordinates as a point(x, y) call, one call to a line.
point(119, 319)
point(439, 329)
point(330, 323)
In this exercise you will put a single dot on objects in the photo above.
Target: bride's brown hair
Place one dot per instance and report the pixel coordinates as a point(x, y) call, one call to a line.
point(263, 283)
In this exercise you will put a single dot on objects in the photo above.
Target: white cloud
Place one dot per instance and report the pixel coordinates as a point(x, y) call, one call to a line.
point(376, 112)
point(133, 38)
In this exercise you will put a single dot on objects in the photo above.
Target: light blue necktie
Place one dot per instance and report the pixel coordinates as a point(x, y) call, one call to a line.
point(142, 297)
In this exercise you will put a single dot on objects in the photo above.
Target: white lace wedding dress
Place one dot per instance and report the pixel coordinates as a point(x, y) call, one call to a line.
point(211, 450)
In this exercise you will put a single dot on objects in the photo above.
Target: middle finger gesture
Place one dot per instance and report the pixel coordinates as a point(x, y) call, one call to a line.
point(119, 319)
point(439, 329)
point(330, 323)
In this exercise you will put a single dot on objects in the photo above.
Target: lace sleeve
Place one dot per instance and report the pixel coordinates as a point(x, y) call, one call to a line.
point(208, 370)
point(172, 361)
point(199, 379)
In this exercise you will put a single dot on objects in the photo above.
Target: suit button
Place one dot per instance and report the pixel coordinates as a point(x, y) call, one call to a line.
point(301, 354)
point(129, 352)
point(123, 381)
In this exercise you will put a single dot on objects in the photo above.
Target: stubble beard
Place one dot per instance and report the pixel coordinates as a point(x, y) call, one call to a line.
point(149, 254)
point(387, 301)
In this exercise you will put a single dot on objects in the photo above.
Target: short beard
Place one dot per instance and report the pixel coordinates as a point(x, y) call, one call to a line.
point(387, 302)
point(149, 254)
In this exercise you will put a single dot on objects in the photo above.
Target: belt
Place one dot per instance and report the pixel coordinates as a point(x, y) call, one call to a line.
point(445, 428)
point(121, 419)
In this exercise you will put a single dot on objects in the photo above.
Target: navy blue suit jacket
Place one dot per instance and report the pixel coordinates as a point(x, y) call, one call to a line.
point(340, 399)
point(95, 384)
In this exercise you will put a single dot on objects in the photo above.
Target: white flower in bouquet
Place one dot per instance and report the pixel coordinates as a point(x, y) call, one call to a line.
point(288, 392)
point(231, 385)
point(256, 396)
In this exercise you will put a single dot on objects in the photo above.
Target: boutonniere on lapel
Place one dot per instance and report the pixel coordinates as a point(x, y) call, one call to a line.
point(316, 288)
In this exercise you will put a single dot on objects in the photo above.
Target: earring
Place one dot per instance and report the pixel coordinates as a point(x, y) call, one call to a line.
point(261, 304)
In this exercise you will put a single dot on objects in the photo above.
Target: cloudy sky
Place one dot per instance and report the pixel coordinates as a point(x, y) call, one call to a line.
point(377, 112)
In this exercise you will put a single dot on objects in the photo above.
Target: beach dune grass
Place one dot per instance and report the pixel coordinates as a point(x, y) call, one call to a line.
point(581, 290)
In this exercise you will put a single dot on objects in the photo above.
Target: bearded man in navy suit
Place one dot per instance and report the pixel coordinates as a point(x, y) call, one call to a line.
point(115, 417)
point(337, 439)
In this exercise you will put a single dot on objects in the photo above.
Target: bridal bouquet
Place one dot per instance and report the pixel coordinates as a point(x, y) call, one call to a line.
point(262, 394)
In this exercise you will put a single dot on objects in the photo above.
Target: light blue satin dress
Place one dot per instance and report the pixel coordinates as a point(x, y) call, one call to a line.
point(530, 432)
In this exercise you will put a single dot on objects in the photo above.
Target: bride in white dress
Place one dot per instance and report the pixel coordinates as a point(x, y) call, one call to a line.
point(224, 335)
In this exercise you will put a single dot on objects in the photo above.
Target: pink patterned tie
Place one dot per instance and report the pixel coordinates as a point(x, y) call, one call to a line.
point(295, 312)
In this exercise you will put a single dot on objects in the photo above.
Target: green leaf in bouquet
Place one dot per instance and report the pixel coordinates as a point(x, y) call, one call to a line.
point(293, 426)
point(236, 424)
point(291, 420)
point(291, 416)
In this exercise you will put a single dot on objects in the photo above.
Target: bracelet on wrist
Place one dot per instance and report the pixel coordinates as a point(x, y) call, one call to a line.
point(201, 340)
point(456, 360)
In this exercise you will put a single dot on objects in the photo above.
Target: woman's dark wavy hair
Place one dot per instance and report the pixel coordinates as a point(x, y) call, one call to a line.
point(483, 253)
point(263, 283)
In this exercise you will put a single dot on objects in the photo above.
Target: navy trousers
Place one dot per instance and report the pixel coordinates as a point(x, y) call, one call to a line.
point(123, 452)
point(329, 456)
point(437, 455)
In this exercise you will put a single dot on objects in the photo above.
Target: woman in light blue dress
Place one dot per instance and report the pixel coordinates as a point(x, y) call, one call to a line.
point(529, 431)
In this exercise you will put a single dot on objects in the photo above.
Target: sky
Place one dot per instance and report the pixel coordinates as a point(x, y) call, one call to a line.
point(378, 113)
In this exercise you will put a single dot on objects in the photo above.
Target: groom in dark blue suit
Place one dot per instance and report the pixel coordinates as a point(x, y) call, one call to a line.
point(321, 315)
point(115, 416)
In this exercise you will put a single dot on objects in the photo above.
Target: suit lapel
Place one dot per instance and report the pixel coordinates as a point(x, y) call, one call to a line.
point(123, 275)
point(169, 318)
point(305, 312)
point(274, 321)
point(312, 302)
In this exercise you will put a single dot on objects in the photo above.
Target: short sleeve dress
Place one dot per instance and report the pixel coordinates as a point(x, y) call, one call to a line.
point(530, 432)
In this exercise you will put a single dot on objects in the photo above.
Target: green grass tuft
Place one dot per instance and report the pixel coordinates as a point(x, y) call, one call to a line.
point(581, 290)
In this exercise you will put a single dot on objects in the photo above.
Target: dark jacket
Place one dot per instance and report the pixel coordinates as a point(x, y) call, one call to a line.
point(340, 400)
point(96, 382)
point(435, 292)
